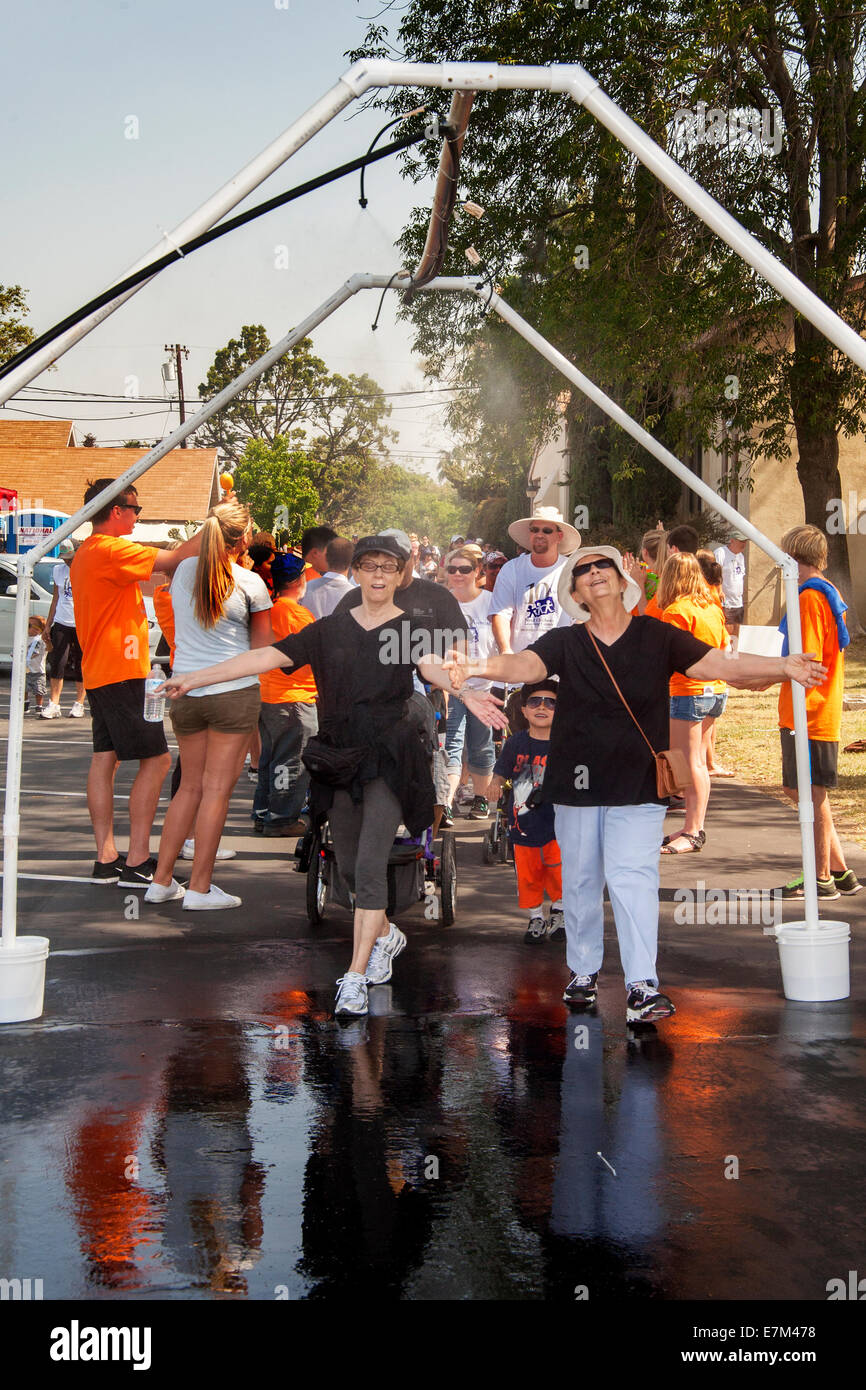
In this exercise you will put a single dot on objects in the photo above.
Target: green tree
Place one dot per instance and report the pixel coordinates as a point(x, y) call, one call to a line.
point(274, 479)
point(610, 265)
point(399, 497)
point(14, 333)
point(339, 422)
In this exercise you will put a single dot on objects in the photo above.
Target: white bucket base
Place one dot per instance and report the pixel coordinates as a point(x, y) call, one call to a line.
point(22, 979)
point(814, 961)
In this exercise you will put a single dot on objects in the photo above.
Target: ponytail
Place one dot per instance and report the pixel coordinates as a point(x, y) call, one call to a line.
point(221, 534)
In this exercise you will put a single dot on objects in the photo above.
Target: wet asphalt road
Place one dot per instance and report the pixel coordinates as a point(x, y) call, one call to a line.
point(186, 1120)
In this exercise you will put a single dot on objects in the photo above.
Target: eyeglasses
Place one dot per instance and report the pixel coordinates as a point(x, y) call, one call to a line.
point(129, 507)
point(541, 702)
point(386, 566)
point(458, 569)
point(543, 530)
point(601, 564)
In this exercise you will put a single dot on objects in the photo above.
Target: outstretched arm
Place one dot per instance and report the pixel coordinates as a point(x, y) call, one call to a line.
point(757, 672)
point(248, 664)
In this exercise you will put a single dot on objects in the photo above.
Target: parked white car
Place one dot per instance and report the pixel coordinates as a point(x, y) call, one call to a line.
point(40, 602)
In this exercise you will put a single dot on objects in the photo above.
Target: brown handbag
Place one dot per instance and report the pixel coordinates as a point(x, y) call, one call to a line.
point(673, 774)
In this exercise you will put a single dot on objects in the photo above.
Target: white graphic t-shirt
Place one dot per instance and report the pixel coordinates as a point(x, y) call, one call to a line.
point(64, 613)
point(733, 575)
point(480, 642)
point(528, 593)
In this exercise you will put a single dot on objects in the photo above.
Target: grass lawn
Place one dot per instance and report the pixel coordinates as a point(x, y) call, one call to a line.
point(747, 741)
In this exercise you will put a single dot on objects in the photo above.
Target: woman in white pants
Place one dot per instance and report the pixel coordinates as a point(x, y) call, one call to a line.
point(600, 775)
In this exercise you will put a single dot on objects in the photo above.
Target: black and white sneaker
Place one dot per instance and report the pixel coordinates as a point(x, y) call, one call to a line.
point(107, 873)
point(644, 1004)
point(141, 876)
point(581, 991)
point(536, 931)
point(556, 923)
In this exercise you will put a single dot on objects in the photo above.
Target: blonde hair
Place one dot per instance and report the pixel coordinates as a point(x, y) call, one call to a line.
point(227, 524)
point(463, 552)
point(682, 577)
point(807, 544)
point(655, 543)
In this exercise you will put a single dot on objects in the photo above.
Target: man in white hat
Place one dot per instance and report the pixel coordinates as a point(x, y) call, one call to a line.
point(732, 559)
point(525, 602)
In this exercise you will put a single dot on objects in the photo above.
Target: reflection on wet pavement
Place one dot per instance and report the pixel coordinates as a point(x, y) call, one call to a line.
point(217, 1134)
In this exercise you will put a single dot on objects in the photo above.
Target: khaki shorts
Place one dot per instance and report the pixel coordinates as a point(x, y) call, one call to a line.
point(231, 712)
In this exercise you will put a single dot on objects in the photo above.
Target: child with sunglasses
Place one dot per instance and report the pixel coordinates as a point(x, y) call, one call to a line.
point(531, 830)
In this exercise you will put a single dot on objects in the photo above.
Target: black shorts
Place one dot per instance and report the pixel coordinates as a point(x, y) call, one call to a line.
point(119, 725)
point(64, 659)
point(823, 757)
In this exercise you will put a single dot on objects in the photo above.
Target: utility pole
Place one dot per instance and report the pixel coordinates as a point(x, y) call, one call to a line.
point(178, 349)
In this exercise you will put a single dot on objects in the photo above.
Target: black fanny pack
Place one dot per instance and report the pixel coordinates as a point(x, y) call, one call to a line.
point(335, 767)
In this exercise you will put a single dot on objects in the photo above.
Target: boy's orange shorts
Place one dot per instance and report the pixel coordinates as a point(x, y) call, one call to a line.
point(539, 871)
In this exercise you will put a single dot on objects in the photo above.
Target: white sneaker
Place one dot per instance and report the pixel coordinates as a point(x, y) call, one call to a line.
point(51, 711)
point(384, 953)
point(210, 901)
point(352, 995)
point(188, 851)
point(158, 893)
point(77, 711)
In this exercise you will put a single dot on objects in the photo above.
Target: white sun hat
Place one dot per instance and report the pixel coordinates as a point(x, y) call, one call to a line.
point(519, 530)
point(567, 601)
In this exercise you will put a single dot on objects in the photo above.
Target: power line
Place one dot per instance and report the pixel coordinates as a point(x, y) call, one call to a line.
point(70, 393)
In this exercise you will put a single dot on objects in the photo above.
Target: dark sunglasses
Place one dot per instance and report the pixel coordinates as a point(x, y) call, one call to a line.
point(129, 507)
point(602, 564)
point(458, 569)
point(543, 530)
point(541, 702)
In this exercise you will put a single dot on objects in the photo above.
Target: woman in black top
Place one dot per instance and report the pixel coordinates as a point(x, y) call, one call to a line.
point(372, 767)
point(600, 774)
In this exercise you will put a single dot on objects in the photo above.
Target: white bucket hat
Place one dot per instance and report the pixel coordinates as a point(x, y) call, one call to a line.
point(567, 601)
point(519, 530)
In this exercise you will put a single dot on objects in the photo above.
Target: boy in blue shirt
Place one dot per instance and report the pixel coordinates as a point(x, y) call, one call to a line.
point(531, 827)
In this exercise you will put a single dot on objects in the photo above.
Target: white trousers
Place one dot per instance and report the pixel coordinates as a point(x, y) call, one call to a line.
point(619, 846)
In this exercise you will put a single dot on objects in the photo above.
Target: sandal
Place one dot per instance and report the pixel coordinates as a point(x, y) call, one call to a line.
point(858, 747)
point(701, 835)
point(696, 841)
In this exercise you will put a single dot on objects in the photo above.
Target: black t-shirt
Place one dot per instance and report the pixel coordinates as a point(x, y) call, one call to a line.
point(597, 756)
point(523, 760)
point(436, 618)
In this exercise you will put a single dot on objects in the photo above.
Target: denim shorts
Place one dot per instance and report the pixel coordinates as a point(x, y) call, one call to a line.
point(694, 708)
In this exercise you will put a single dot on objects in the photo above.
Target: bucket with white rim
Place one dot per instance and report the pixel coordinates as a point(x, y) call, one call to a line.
point(22, 978)
point(814, 960)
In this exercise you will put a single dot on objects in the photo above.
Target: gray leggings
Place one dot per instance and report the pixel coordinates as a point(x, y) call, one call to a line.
point(363, 834)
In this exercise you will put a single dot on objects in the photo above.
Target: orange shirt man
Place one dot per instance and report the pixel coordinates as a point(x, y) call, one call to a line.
point(112, 628)
point(288, 717)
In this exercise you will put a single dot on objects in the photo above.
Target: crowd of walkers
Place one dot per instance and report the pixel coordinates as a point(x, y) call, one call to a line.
point(326, 670)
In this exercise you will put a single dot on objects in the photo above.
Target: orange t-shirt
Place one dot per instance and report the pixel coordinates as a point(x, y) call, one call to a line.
point(286, 687)
point(707, 623)
point(110, 617)
point(164, 611)
point(824, 701)
point(652, 609)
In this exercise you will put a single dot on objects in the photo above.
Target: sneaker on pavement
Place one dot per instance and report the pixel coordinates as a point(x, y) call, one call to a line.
point(447, 821)
point(644, 1004)
point(536, 931)
point(188, 851)
point(211, 901)
point(107, 873)
point(273, 828)
point(556, 923)
point(77, 711)
point(827, 888)
point(480, 809)
point(847, 882)
point(385, 951)
point(159, 893)
point(352, 995)
point(137, 875)
point(51, 711)
point(581, 991)
point(464, 796)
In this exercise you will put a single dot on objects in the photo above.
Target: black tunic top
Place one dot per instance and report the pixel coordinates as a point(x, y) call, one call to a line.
point(597, 756)
point(364, 680)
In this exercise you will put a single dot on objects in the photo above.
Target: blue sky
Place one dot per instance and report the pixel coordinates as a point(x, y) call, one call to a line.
point(211, 82)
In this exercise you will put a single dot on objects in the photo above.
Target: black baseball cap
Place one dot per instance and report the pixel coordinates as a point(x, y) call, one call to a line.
point(383, 544)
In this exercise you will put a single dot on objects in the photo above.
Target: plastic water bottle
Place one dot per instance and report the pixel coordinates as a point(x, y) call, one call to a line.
point(154, 705)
